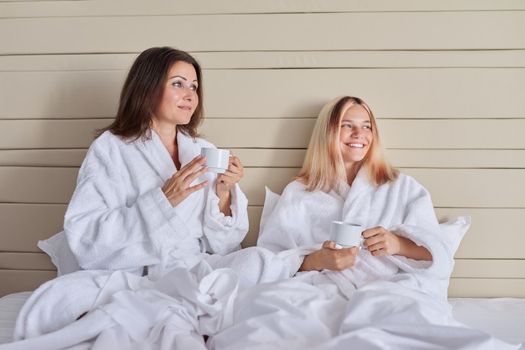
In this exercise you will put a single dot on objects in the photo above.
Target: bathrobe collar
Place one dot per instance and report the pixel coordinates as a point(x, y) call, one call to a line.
point(159, 157)
point(358, 199)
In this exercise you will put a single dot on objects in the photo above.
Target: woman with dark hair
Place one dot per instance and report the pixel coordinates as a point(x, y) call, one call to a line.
point(144, 200)
point(156, 235)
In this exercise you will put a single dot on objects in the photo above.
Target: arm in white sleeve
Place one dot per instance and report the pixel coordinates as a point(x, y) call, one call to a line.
point(420, 225)
point(108, 230)
point(224, 234)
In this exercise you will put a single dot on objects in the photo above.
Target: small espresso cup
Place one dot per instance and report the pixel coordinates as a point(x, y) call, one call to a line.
point(217, 160)
point(346, 234)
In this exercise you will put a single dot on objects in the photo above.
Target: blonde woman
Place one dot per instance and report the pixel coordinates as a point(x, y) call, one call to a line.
point(390, 294)
point(345, 177)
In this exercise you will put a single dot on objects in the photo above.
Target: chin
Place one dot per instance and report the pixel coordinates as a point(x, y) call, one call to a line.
point(184, 121)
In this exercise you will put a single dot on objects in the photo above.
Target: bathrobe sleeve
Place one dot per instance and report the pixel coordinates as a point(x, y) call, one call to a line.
point(108, 229)
point(421, 226)
point(223, 234)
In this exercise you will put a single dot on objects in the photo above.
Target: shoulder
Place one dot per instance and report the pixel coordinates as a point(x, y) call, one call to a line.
point(296, 194)
point(104, 152)
point(408, 184)
point(294, 187)
point(407, 180)
point(107, 140)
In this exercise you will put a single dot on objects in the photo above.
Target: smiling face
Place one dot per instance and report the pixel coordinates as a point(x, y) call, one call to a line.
point(355, 134)
point(179, 99)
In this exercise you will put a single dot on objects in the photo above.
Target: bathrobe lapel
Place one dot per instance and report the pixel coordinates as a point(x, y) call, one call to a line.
point(188, 148)
point(158, 156)
point(356, 207)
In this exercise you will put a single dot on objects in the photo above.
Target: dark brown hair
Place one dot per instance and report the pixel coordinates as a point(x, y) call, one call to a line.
point(143, 90)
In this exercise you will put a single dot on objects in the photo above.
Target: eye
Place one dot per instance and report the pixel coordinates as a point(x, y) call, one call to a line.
point(368, 127)
point(177, 84)
point(346, 125)
point(193, 87)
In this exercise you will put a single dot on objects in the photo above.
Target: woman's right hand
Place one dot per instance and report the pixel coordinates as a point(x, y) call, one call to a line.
point(177, 188)
point(330, 257)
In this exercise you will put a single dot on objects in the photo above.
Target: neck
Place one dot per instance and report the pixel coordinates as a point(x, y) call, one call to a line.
point(166, 131)
point(168, 136)
point(351, 171)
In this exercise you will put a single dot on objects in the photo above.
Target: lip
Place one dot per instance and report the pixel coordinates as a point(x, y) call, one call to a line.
point(186, 108)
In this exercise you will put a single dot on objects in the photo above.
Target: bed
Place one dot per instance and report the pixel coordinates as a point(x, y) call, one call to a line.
point(503, 318)
point(449, 90)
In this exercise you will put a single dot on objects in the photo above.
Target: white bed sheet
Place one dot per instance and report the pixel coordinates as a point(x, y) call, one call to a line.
point(501, 317)
point(10, 305)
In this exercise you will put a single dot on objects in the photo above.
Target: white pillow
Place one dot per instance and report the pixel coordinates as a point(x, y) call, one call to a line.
point(270, 200)
point(61, 255)
point(453, 231)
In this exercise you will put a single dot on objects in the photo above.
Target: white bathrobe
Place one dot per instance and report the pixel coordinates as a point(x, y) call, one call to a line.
point(301, 220)
point(119, 218)
point(119, 221)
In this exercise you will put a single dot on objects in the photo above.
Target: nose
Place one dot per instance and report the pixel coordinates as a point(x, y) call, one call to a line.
point(356, 133)
point(188, 93)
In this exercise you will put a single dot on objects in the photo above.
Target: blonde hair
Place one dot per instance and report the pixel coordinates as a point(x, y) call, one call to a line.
point(323, 167)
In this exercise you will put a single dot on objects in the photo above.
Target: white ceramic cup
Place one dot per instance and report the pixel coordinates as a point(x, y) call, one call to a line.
point(346, 234)
point(217, 160)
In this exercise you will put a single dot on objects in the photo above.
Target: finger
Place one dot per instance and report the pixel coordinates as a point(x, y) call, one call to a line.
point(373, 240)
point(236, 165)
point(229, 173)
point(197, 187)
point(170, 183)
point(234, 169)
point(236, 161)
point(377, 246)
point(192, 166)
point(380, 252)
point(346, 252)
point(329, 245)
point(371, 232)
point(193, 176)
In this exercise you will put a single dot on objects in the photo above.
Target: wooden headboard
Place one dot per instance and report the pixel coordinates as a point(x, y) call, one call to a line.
point(446, 87)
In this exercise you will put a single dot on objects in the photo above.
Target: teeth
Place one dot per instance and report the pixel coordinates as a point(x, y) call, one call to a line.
point(357, 145)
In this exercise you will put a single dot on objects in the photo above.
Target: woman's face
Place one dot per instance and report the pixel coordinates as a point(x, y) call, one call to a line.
point(179, 98)
point(355, 134)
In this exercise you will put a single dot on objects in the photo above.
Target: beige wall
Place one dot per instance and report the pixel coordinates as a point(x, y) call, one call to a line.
point(445, 78)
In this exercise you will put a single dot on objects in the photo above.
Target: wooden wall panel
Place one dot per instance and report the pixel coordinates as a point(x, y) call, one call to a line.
point(281, 133)
point(278, 59)
point(22, 280)
point(278, 157)
point(449, 187)
point(404, 93)
point(82, 34)
point(39, 8)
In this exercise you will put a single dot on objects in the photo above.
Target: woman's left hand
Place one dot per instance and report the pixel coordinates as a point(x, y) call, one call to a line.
point(227, 180)
point(381, 242)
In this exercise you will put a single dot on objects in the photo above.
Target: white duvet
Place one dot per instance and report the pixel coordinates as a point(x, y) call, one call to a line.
point(127, 311)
